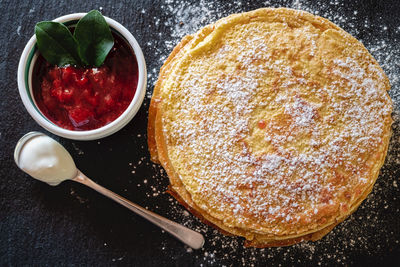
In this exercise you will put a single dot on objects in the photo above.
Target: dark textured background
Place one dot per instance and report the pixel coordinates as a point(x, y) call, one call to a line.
point(72, 225)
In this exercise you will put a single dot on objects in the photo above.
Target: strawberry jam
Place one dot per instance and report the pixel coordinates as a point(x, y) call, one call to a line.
point(87, 98)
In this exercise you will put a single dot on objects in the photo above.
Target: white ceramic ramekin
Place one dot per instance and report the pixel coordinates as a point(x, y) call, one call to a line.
point(25, 68)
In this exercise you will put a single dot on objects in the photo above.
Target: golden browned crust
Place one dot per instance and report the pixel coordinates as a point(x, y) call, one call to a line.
point(187, 42)
point(351, 183)
point(155, 98)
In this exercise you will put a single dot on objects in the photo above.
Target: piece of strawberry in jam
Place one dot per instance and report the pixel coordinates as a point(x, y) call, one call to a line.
point(80, 116)
point(67, 74)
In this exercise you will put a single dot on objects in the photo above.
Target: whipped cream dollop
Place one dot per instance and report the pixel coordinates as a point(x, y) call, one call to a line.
point(45, 159)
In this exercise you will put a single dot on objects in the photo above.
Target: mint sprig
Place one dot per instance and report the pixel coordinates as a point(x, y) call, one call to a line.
point(88, 46)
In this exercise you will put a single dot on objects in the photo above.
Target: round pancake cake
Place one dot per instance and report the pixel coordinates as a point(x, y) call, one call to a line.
point(271, 124)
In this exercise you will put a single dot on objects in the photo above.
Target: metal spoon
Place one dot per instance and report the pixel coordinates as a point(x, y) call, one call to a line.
point(191, 238)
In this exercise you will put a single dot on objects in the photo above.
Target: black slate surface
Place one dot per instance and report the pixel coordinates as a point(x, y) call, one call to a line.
point(73, 225)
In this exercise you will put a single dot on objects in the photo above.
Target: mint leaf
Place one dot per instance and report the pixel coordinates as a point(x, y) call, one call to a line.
point(94, 38)
point(56, 43)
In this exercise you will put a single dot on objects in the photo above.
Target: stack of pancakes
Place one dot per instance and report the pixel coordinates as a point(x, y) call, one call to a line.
point(271, 124)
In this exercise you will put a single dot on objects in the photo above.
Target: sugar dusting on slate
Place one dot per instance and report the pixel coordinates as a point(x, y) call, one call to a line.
point(362, 231)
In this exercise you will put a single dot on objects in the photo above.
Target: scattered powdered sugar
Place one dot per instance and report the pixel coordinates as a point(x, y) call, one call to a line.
point(363, 233)
point(302, 113)
point(77, 149)
point(81, 200)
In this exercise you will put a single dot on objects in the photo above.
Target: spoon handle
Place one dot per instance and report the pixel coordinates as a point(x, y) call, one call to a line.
point(191, 238)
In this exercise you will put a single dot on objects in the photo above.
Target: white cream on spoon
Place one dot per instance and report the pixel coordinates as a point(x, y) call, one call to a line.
point(45, 159)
